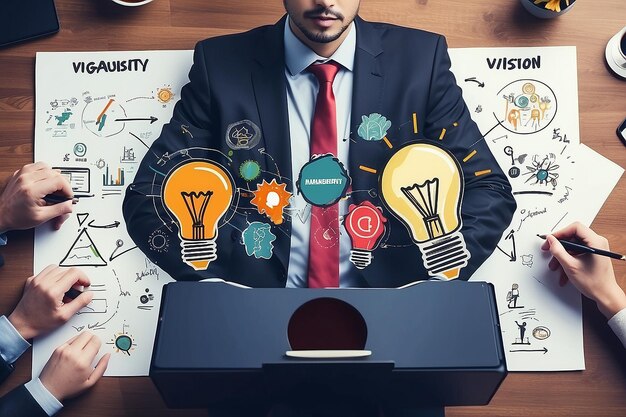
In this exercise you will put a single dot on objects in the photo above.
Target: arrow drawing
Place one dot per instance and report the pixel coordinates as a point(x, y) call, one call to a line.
point(136, 119)
point(512, 254)
point(99, 326)
point(104, 226)
point(544, 350)
point(473, 79)
point(262, 152)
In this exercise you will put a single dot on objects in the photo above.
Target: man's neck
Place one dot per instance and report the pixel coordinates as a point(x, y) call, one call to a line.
point(322, 49)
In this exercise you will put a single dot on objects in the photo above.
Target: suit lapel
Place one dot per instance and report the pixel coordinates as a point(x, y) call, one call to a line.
point(366, 98)
point(268, 80)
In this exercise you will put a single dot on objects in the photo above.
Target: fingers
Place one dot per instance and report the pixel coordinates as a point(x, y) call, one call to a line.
point(99, 370)
point(58, 222)
point(554, 264)
point(557, 250)
point(82, 340)
point(70, 341)
point(35, 166)
point(92, 347)
point(71, 277)
point(74, 306)
point(47, 271)
point(583, 233)
point(52, 183)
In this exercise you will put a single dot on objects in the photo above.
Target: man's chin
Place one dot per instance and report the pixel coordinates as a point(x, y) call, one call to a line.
point(326, 36)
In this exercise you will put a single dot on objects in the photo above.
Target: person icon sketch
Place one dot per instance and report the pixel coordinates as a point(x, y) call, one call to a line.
point(513, 118)
point(512, 297)
point(522, 331)
point(535, 117)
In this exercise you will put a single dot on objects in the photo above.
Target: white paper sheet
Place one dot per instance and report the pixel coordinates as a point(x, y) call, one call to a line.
point(94, 115)
point(525, 101)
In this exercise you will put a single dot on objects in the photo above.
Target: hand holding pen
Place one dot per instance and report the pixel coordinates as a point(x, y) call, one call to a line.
point(22, 203)
point(592, 274)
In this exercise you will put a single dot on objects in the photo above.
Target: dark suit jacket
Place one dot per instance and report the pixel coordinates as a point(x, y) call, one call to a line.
point(19, 403)
point(398, 72)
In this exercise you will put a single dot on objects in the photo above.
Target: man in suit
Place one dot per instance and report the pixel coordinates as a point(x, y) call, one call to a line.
point(44, 306)
point(251, 108)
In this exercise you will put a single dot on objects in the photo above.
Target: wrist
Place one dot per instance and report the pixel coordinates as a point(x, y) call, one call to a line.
point(613, 303)
point(51, 389)
point(21, 326)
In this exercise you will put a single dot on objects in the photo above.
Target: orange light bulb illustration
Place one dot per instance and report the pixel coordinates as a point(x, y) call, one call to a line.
point(198, 193)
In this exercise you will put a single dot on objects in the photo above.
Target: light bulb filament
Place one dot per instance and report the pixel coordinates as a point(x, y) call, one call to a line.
point(196, 204)
point(425, 197)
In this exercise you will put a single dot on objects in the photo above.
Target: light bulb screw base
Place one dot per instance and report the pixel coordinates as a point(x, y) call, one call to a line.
point(198, 254)
point(445, 255)
point(361, 258)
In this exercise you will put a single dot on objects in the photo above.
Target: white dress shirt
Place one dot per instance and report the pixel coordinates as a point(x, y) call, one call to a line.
point(302, 88)
point(618, 325)
point(12, 346)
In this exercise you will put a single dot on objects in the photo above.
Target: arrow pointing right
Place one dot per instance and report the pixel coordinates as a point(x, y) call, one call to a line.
point(544, 350)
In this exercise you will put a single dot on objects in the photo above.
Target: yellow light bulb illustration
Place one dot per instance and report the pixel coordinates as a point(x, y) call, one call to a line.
point(422, 185)
point(197, 194)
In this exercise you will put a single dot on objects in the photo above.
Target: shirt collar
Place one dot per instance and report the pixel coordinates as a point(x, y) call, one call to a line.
point(298, 56)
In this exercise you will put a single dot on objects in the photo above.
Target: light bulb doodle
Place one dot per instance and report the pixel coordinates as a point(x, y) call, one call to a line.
point(271, 199)
point(422, 185)
point(365, 225)
point(198, 193)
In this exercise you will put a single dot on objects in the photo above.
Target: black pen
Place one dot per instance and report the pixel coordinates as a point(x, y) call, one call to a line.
point(577, 247)
point(73, 293)
point(56, 199)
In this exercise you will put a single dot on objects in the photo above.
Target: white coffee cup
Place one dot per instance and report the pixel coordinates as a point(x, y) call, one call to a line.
point(131, 3)
point(615, 53)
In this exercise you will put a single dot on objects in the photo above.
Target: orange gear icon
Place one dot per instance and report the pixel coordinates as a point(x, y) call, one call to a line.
point(270, 199)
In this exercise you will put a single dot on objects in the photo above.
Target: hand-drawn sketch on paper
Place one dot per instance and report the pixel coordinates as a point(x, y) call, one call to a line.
point(95, 127)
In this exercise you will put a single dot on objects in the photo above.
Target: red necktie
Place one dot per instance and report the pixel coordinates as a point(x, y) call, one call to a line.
point(324, 237)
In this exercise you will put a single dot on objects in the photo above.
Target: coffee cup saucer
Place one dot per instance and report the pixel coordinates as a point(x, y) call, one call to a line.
point(613, 55)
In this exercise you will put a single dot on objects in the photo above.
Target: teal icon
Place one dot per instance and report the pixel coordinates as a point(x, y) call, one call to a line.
point(123, 343)
point(257, 239)
point(323, 181)
point(373, 127)
point(249, 170)
point(80, 149)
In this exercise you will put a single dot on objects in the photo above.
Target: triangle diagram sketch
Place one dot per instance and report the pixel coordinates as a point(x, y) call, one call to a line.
point(83, 252)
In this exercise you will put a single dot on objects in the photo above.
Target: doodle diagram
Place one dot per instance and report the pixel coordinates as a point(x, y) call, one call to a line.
point(530, 121)
point(530, 106)
point(96, 128)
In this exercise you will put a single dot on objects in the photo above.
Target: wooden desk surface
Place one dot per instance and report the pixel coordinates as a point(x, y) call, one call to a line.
point(88, 25)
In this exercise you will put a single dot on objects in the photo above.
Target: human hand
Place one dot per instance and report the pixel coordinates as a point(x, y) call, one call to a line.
point(592, 275)
point(69, 372)
point(21, 203)
point(43, 306)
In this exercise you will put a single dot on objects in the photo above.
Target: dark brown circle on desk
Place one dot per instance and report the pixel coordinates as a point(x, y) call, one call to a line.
point(622, 44)
point(327, 324)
